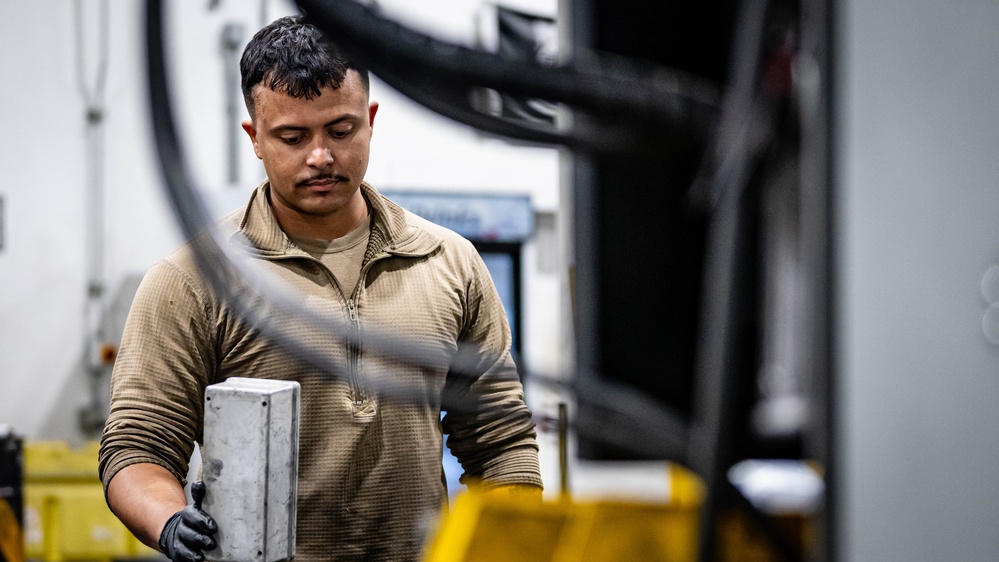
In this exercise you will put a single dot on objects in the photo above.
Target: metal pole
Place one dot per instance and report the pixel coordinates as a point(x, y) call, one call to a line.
point(563, 450)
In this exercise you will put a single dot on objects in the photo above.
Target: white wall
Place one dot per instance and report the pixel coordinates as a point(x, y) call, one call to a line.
point(918, 192)
point(42, 158)
point(43, 163)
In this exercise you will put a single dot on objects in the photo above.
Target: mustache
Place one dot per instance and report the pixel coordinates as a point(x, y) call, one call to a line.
point(322, 177)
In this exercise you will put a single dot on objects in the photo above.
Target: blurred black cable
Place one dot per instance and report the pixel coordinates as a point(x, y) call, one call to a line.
point(744, 134)
point(623, 98)
point(745, 125)
point(654, 426)
point(638, 97)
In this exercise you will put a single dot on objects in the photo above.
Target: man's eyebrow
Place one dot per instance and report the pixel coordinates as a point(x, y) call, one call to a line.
point(283, 128)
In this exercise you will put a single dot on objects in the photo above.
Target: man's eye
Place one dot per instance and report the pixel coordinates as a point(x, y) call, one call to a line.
point(292, 140)
point(341, 134)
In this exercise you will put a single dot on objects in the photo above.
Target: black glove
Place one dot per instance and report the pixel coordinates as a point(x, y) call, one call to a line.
point(189, 531)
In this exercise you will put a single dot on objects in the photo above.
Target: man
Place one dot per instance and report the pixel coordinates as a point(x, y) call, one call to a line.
point(370, 476)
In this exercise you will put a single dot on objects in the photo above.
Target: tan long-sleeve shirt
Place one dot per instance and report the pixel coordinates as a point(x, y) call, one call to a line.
point(370, 478)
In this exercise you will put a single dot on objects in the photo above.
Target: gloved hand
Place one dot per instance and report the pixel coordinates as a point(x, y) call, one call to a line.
point(189, 531)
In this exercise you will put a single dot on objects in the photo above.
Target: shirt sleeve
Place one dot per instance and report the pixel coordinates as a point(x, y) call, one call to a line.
point(165, 361)
point(489, 426)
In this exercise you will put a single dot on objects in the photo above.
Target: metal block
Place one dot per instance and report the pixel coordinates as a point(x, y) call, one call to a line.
point(250, 468)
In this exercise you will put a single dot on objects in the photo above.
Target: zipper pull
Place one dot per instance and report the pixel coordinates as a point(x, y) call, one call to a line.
point(352, 310)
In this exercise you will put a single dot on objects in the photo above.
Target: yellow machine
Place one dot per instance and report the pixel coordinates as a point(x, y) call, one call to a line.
point(65, 515)
point(481, 528)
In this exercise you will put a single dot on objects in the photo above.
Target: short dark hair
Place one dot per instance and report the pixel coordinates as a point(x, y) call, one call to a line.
point(293, 56)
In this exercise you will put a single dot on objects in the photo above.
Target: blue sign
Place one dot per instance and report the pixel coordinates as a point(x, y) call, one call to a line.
point(487, 218)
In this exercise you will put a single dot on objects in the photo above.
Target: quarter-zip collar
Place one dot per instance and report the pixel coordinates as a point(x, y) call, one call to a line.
point(259, 233)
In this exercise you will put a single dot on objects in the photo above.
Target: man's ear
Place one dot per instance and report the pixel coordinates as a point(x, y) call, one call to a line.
point(252, 132)
point(372, 109)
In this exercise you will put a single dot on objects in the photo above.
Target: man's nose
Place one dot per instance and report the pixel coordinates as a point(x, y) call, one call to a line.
point(320, 156)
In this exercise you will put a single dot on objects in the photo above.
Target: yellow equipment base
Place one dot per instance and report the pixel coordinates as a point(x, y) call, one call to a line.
point(65, 515)
point(482, 528)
